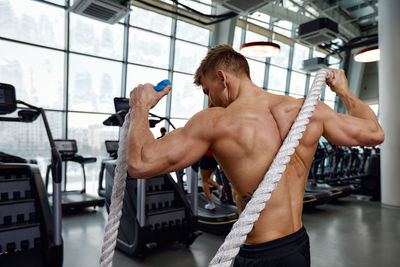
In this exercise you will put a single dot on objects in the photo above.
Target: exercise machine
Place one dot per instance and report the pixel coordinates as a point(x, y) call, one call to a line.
point(76, 199)
point(30, 232)
point(155, 211)
point(218, 221)
point(112, 149)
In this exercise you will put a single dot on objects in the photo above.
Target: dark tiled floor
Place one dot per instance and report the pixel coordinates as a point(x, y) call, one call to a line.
point(347, 233)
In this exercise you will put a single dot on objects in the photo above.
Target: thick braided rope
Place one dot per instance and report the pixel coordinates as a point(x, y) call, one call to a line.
point(117, 197)
point(237, 236)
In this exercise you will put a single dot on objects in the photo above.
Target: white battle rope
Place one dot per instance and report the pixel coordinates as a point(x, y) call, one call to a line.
point(237, 236)
point(250, 214)
point(117, 197)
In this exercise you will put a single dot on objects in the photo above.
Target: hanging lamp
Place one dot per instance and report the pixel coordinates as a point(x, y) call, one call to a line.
point(369, 54)
point(260, 49)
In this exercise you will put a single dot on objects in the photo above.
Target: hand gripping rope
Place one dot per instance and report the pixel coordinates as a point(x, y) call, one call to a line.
point(250, 214)
point(237, 236)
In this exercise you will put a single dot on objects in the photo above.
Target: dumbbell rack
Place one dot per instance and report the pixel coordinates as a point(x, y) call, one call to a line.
point(155, 213)
point(26, 226)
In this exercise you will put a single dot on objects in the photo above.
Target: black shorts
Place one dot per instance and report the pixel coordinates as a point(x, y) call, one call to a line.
point(208, 163)
point(292, 250)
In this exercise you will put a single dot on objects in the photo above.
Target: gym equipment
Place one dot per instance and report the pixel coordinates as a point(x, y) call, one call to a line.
point(78, 198)
point(30, 232)
point(250, 214)
point(324, 172)
point(219, 221)
point(344, 171)
point(118, 191)
point(155, 213)
point(121, 105)
point(112, 149)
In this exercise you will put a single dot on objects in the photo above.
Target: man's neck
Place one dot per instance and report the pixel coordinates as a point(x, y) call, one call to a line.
point(247, 88)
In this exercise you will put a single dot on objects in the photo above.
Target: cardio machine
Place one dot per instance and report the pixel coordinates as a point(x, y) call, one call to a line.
point(30, 232)
point(78, 198)
point(155, 211)
point(226, 213)
point(112, 149)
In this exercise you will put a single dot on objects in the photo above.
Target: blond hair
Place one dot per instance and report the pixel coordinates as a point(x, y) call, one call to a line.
point(225, 58)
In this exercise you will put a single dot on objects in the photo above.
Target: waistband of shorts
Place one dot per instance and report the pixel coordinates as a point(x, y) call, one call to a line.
point(281, 245)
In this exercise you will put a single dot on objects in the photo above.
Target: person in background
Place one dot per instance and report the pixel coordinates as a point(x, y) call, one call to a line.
point(207, 166)
point(163, 131)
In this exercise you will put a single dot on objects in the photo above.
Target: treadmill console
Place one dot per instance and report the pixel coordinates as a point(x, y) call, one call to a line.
point(66, 147)
point(112, 146)
point(121, 103)
point(8, 103)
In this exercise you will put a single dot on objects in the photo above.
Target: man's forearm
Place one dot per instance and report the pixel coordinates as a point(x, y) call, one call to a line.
point(139, 133)
point(356, 107)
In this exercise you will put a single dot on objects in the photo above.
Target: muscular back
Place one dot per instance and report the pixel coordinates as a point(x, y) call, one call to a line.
point(250, 133)
point(245, 133)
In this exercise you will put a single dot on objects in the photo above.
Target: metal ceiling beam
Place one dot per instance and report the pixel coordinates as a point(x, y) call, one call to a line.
point(365, 4)
point(348, 30)
point(282, 13)
point(369, 16)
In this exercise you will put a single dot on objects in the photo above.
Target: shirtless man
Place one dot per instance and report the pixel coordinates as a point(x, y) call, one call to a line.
point(244, 128)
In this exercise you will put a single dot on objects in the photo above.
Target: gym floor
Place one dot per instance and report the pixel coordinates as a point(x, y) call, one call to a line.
point(348, 233)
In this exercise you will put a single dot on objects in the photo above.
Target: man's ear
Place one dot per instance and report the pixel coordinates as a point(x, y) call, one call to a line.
point(221, 76)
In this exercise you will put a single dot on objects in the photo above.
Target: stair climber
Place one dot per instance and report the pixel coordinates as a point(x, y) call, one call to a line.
point(30, 232)
point(155, 213)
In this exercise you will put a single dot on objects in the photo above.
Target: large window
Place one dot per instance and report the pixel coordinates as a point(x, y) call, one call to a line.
point(237, 39)
point(277, 79)
point(187, 99)
point(257, 72)
point(297, 84)
point(36, 73)
point(93, 83)
point(150, 21)
point(188, 56)
point(90, 133)
point(301, 53)
point(93, 37)
point(31, 21)
point(192, 33)
point(148, 48)
point(282, 59)
point(74, 67)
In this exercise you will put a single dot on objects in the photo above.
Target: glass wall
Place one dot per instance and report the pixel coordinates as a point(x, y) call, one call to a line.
point(282, 74)
point(74, 66)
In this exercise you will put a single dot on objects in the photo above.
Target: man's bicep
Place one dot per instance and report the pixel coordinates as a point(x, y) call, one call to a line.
point(183, 147)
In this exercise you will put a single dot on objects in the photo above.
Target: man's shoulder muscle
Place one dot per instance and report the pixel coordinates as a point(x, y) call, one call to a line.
point(205, 123)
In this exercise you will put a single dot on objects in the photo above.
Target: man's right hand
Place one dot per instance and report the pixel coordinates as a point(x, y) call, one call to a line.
point(338, 83)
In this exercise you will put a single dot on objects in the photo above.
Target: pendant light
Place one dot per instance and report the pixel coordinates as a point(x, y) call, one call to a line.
point(260, 49)
point(369, 54)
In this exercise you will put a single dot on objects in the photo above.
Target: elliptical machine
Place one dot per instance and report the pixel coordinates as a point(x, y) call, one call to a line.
point(30, 232)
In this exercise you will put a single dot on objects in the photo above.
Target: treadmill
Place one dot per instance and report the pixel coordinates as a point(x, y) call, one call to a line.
point(76, 199)
point(323, 169)
point(219, 221)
